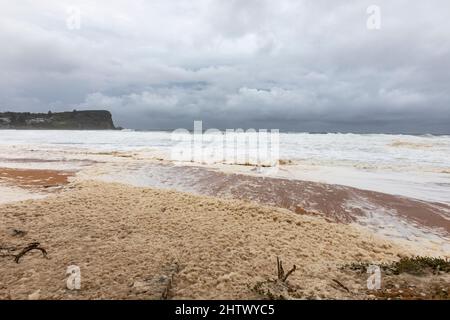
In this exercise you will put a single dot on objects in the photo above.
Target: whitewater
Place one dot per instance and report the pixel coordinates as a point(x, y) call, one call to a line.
point(407, 165)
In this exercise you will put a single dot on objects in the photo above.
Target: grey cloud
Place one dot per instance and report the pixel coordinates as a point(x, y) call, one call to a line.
point(294, 65)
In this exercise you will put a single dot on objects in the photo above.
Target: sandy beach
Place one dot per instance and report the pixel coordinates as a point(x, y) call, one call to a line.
point(140, 226)
point(120, 235)
point(146, 243)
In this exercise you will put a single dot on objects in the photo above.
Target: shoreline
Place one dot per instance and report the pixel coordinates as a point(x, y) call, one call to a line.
point(416, 223)
point(410, 166)
point(420, 223)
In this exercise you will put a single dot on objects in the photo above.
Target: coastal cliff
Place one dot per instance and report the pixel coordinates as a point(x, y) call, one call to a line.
point(75, 120)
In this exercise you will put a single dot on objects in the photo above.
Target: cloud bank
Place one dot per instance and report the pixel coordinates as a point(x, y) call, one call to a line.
point(292, 65)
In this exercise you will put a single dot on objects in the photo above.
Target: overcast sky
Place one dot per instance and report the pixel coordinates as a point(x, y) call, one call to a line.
point(310, 65)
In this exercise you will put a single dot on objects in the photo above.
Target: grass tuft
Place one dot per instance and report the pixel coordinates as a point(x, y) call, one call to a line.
point(412, 265)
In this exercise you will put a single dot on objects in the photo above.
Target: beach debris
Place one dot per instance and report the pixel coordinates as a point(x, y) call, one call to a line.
point(413, 277)
point(29, 247)
point(418, 265)
point(273, 289)
point(281, 276)
point(276, 289)
point(341, 285)
point(9, 251)
point(158, 286)
point(18, 233)
point(52, 186)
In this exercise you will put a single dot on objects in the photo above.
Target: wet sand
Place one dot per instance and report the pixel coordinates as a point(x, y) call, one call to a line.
point(22, 184)
point(34, 178)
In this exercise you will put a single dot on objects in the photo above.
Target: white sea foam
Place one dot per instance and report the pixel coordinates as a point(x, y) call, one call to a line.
point(12, 194)
point(415, 166)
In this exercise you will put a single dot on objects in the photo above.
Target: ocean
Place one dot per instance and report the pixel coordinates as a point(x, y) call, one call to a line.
point(407, 165)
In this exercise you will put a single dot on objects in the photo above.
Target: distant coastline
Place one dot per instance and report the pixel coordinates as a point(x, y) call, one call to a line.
point(74, 120)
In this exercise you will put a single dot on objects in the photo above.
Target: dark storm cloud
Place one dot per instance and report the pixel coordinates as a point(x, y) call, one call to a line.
point(294, 65)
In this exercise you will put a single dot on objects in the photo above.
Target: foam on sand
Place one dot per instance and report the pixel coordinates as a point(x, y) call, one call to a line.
point(119, 234)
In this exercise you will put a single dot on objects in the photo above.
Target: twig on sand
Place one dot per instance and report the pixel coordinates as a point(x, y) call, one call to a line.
point(281, 276)
point(31, 246)
point(341, 285)
point(276, 288)
point(6, 251)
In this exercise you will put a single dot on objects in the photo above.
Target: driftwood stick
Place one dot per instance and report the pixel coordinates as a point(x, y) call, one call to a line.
point(280, 269)
point(341, 285)
point(289, 273)
point(281, 275)
point(31, 246)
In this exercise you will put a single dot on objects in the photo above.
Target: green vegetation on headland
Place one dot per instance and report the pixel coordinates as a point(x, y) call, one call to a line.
point(75, 120)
